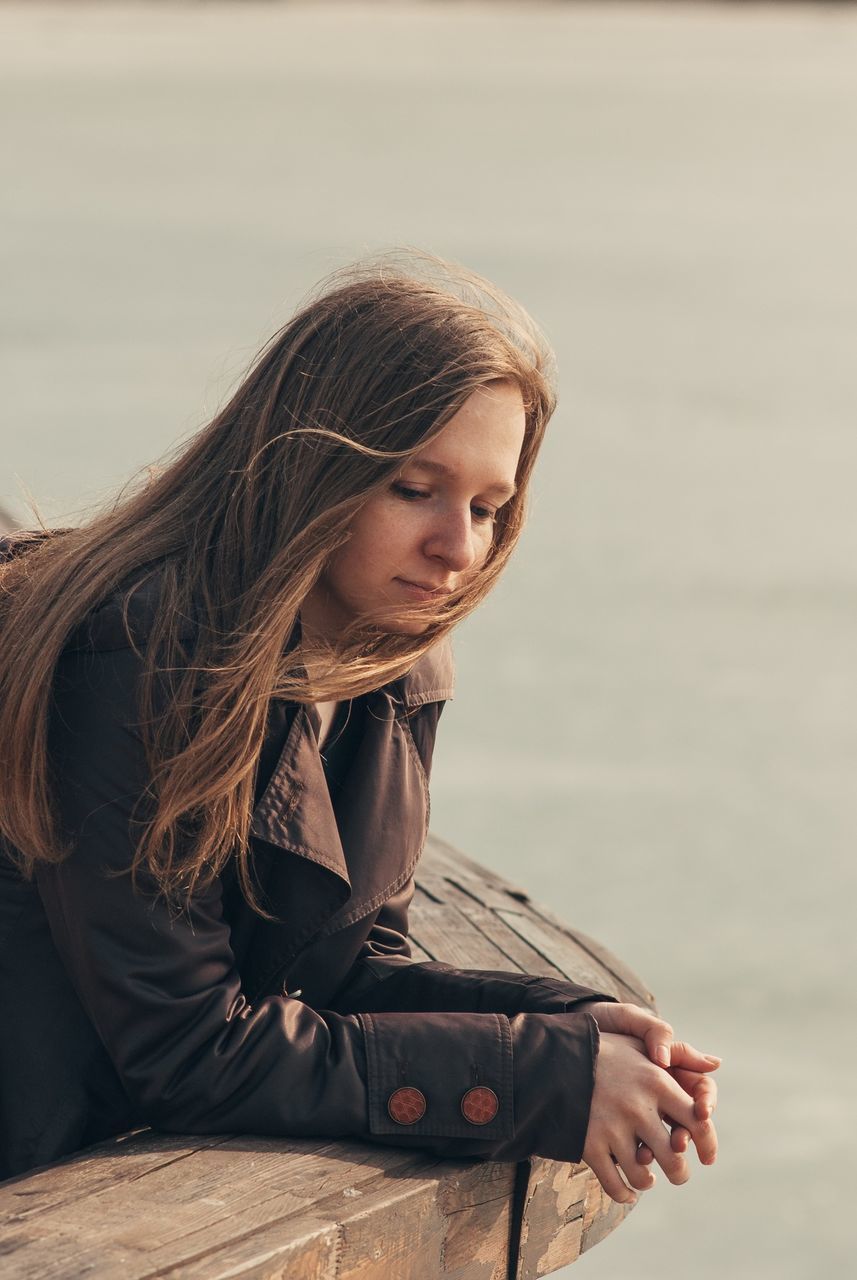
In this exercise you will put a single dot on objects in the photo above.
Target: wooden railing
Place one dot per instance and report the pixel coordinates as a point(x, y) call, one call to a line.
point(147, 1205)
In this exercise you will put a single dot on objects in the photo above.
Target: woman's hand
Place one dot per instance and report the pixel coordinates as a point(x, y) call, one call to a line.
point(656, 1034)
point(703, 1090)
point(631, 1100)
point(686, 1064)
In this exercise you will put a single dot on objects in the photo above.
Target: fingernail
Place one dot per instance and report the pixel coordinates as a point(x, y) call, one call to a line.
point(662, 1054)
point(710, 1057)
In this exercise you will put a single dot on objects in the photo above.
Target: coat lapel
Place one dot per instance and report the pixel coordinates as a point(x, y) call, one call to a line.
point(298, 862)
point(294, 811)
point(322, 866)
point(382, 810)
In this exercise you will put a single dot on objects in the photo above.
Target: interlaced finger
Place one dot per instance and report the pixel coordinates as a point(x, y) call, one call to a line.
point(607, 1172)
point(658, 1141)
point(680, 1109)
point(636, 1173)
point(702, 1088)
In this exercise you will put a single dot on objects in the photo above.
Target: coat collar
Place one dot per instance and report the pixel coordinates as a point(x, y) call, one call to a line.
point(431, 679)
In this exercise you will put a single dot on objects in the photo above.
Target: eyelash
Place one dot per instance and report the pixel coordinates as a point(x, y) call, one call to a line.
point(484, 515)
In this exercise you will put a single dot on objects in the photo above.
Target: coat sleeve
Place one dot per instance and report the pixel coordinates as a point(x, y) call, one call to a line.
point(163, 994)
point(385, 978)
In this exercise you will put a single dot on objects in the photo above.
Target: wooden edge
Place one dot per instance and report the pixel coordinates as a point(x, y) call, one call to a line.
point(563, 1212)
point(566, 950)
point(259, 1209)
point(455, 1224)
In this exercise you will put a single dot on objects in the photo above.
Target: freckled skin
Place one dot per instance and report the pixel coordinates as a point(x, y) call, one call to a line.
point(432, 526)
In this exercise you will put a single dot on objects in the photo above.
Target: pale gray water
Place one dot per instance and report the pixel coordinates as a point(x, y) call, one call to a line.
point(664, 689)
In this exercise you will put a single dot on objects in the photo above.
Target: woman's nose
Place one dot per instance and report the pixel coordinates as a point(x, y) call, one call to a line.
point(452, 541)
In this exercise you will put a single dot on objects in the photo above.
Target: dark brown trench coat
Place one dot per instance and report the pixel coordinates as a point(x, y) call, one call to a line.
point(117, 1012)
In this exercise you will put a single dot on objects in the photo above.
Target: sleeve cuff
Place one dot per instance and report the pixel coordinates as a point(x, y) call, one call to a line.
point(428, 1074)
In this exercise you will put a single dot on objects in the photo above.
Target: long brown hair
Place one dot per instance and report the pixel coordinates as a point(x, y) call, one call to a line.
point(240, 525)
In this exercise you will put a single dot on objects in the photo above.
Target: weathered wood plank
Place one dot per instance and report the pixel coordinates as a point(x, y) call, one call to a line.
point(478, 1204)
point(291, 1249)
point(450, 875)
point(568, 955)
point(563, 1204)
point(448, 861)
point(212, 1198)
point(456, 1225)
point(399, 1232)
point(126, 1159)
point(610, 962)
point(418, 955)
point(602, 1216)
point(443, 931)
point(464, 889)
point(487, 894)
point(460, 1232)
point(77, 1260)
point(519, 954)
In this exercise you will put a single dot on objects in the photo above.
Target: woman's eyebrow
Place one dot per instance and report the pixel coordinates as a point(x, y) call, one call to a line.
point(441, 469)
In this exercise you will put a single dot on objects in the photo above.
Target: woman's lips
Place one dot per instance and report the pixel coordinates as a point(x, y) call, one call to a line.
point(420, 591)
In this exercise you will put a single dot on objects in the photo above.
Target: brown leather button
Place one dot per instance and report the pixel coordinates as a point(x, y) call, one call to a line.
point(406, 1105)
point(480, 1105)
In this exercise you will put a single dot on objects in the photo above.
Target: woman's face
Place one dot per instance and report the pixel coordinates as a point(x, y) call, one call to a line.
point(432, 527)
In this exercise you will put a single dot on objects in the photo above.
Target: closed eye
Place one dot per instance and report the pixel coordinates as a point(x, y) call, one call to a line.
point(480, 513)
point(405, 491)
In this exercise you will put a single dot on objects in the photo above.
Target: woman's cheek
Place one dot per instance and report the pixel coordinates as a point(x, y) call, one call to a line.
point(486, 541)
point(378, 529)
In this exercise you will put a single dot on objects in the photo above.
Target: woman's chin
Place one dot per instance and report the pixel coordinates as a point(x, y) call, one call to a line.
point(412, 628)
point(410, 623)
point(404, 626)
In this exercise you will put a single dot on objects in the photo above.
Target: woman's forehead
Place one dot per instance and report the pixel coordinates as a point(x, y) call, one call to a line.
point(484, 439)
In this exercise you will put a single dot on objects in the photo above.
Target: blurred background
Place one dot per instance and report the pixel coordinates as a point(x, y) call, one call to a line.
point(655, 729)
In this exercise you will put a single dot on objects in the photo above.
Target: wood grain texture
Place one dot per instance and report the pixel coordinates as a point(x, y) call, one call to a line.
point(565, 1212)
point(216, 1208)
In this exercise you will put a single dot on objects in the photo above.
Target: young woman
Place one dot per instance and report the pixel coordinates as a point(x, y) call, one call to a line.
point(218, 705)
